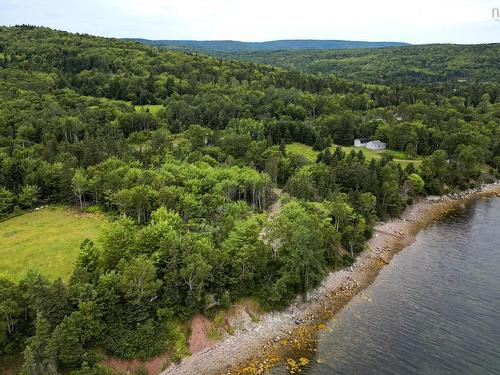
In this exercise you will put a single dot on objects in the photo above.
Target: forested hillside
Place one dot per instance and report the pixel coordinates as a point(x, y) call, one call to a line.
point(183, 152)
point(274, 45)
point(416, 65)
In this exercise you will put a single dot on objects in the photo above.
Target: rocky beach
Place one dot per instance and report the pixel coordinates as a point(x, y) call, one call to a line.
point(289, 335)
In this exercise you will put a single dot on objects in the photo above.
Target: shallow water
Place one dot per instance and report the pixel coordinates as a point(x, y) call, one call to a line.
point(435, 309)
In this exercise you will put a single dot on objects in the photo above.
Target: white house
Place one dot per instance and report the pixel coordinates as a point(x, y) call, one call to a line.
point(371, 145)
point(360, 142)
point(376, 145)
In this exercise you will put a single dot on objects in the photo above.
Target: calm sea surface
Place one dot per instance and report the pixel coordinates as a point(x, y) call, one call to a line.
point(434, 310)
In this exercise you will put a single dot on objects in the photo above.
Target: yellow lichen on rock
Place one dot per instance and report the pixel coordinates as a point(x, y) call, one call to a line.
point(294, 366)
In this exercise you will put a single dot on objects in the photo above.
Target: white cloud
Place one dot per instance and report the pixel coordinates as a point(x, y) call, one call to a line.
point(460, 21)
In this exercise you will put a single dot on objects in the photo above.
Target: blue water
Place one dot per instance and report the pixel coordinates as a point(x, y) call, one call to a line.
point(435, 309)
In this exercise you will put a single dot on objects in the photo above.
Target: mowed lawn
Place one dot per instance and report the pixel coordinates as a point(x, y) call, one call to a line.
point(47, 240)
point(311, 154)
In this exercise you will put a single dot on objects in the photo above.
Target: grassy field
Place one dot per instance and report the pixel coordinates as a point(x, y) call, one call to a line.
point(151, 108)
point(47, 240)
point(311, 154)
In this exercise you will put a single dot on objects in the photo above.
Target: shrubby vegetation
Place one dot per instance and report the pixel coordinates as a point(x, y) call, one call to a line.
point(185, 152)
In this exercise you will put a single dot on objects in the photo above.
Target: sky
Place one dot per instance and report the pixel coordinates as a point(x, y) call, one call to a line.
point(423, 21)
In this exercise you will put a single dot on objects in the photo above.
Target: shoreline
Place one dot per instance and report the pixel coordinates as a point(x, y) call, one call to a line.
point(293, 331)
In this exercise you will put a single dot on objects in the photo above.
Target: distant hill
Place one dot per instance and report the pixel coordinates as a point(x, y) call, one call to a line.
point(274, 45)
point(414, 64)
point(395, 63)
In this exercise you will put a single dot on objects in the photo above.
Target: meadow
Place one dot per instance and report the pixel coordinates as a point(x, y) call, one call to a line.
point(151, 108)
point(47, 240)
point(311, 154)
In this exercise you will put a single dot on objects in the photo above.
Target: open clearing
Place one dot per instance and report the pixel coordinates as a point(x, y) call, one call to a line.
point(151, 108)
point(47, 240)
point(311, 154)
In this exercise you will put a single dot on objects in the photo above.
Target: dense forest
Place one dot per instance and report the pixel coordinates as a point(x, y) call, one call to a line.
point(186, 152)
point(462, 65)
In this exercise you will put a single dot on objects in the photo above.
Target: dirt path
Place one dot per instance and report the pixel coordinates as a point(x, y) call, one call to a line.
point(260, 347)
point(273, 211)
point(275, 208)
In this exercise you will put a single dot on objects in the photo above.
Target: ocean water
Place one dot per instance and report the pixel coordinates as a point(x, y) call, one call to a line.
point(435, 309)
